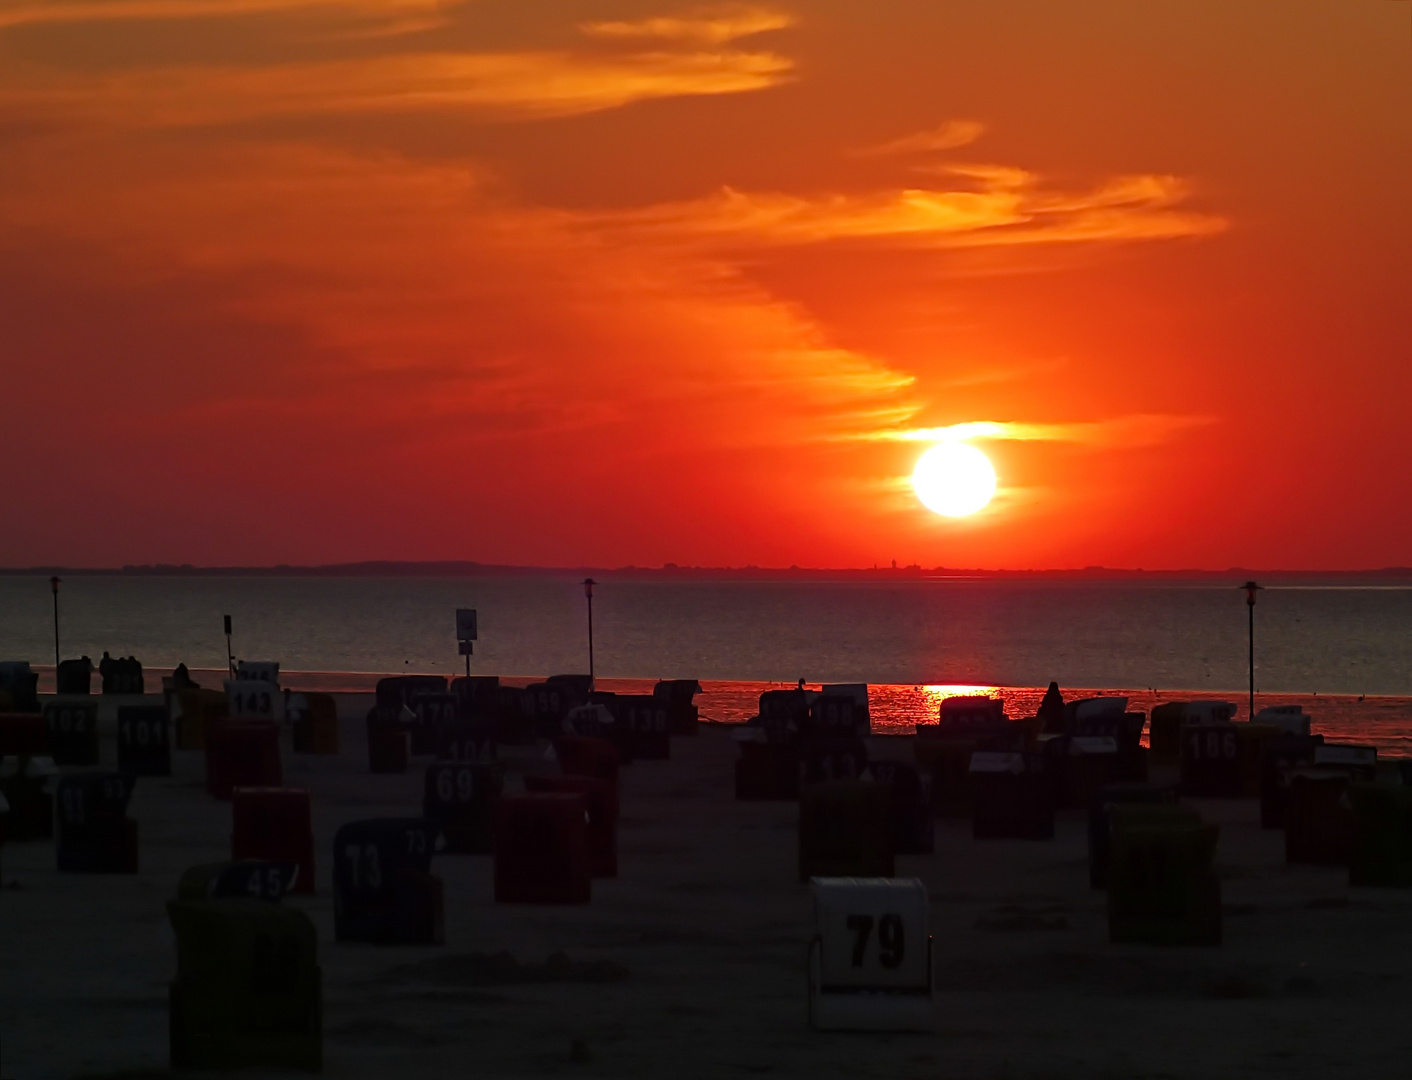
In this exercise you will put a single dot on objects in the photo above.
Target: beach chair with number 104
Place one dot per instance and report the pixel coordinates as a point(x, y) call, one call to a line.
point(870, 960)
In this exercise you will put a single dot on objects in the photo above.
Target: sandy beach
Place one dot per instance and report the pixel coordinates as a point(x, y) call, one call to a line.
point(692, 961)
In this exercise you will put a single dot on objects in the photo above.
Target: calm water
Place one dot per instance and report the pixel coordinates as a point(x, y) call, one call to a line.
point(1128, 634)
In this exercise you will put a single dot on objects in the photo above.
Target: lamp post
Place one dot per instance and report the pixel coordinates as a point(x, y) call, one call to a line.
point(54, 585)
point(1250, 590)
point(588, 584)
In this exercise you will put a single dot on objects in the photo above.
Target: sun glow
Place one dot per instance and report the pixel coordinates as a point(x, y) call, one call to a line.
point(954, 479)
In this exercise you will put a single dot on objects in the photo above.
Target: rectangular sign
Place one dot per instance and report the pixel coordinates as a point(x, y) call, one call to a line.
point(1092, 744)
point(996, 761)
point(465, 624)
point(1335, 754)
point(254, 699)
point(258, 671)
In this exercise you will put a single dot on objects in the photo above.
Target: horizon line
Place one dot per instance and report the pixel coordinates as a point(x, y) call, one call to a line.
point(467, 567)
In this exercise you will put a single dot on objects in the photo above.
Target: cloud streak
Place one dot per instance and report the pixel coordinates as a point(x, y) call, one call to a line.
point(525, 85)
point(494, 316)
point(948, 136)
point(23, 12)
point(1128, 432)
point(705, 26)
point(1003, 206)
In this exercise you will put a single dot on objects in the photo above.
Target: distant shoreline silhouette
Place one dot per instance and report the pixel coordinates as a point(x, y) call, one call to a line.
point(1391, 574)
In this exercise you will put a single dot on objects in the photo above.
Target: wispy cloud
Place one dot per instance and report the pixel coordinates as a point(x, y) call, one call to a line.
point(703, 26)
point(948, 136)
point(1133, 431)
point(496, 315)
point(496, 85)
point(1001, 206)
point(21, 12)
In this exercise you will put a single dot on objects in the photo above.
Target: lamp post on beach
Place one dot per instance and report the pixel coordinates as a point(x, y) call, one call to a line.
point(1250, 590)
point(588, 584)
point(54, 585)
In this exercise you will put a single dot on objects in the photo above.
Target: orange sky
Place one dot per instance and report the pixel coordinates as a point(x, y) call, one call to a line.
point(621, 281)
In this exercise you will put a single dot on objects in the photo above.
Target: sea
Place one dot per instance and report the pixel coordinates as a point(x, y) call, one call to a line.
point(1343, 650)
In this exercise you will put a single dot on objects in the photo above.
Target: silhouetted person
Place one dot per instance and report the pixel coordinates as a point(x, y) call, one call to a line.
point(182, 680)
point(1051, 709)
point(105, 666)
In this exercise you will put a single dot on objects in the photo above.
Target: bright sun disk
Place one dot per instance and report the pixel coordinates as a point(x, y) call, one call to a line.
point(954, 479)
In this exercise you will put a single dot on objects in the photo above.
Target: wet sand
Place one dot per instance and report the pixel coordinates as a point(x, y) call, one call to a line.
point(709, 924)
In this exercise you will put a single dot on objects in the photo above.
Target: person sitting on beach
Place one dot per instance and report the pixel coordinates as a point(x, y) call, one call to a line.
point(182, 680)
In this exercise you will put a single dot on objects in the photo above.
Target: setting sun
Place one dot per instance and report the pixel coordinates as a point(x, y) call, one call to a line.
point(954, 479)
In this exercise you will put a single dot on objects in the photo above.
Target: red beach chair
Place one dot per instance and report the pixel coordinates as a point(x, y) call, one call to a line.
point(275, 825)
point(541, 850)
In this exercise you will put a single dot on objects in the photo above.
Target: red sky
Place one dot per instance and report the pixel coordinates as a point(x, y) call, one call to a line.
point(622, 281)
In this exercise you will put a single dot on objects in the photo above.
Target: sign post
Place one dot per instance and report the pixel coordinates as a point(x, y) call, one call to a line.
point(466, 634)
point(588, 584)
point(54, 584)
point(230, 655)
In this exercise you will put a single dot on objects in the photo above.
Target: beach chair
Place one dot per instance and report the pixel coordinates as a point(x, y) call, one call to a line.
point(315, 725)
point(582, 756)
point(1319, 817)
point(1381, 851)
point(845, 830)
point(1162, 889)
point(1280, 758)
point(460, 798)
point(766, 771)
point(387, 742)
point(93, 834)
point(838, 713)
point(944, 753)
point(73, 732)
point(870, 959)
point(144, 740)
point(1012, 796)
point(1100, 822)
point(384, 891)
point(601, 820)
point(683, 716)
point(646, 721)
point(242, 753)
point(275, 824)
point(542, 853)
point(913, 825)
point(193, 712)
point(248, 988)
point(826, 761)
point(74, 676)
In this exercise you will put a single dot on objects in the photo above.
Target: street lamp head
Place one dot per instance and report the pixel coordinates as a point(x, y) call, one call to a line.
point(588, 584)
point(54, 584)
point(1250, 590)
